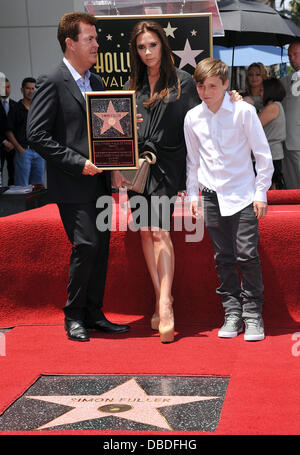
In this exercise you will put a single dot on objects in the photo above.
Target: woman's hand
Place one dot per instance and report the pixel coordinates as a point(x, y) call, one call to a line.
point(139, 119)
point(118, 179)
point(234, 96)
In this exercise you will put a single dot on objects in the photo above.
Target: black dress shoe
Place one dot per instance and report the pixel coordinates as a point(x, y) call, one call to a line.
point(76, 330)
point(104, 325)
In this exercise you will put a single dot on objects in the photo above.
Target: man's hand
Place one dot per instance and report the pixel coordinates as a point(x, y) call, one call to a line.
point(21, 149)
point(8, 146)
point(90, 169)
point(234, 96)
point(194, 209)
point(118, 179)
point(260, 209)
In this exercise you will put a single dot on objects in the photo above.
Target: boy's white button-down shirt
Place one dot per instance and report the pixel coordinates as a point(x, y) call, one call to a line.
point(219, 149)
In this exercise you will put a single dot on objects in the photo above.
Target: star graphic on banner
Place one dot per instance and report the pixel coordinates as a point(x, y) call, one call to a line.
point(111, 119)
point(127, 401)
point(193, 32)
point(170, 30)
point(188, 55)
point(109, 37)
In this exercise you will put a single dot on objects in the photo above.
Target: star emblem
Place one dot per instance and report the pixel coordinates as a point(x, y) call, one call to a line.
point(193, 32)
point(127, 401)
point(170, 30)
point(109, 37)
point(188, 55)
point(111, 119)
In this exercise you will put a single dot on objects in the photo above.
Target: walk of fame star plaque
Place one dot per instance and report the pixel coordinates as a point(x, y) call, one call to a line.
point(112, 130)
point(112, 402)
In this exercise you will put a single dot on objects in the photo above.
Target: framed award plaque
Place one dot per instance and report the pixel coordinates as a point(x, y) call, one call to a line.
point(112, 130)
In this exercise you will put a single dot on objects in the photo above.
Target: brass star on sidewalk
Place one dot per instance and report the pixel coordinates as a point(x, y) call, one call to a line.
point(111, 119)
point(127, 401)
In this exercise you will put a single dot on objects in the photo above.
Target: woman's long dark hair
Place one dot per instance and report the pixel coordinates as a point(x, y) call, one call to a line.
point(273, 90)
point(168, 77)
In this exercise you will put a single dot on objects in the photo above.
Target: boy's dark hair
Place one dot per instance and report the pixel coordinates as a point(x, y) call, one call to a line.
point(211, 67)
point(28, 80)
point(273, 90)
point(68, 26)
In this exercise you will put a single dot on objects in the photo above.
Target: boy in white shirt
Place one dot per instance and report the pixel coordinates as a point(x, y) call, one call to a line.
point(220, 136)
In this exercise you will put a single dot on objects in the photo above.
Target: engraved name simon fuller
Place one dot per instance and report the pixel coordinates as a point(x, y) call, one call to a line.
point(120, 400)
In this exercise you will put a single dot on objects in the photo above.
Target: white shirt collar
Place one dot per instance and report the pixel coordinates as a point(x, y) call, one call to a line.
point(73, 71)
point(226, 105)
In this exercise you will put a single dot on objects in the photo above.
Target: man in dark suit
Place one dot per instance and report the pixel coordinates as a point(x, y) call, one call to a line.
point(57, 130)
point(7, 151)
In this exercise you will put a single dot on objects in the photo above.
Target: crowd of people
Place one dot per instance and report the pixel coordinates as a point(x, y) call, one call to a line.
point(277, 102)
point(219, 146)
point(24, 165)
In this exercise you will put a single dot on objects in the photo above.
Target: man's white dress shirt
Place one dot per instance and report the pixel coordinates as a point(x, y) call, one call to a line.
point(82, 82)
point(219, 149)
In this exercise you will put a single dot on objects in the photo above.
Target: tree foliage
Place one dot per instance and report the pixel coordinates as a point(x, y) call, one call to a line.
point(294, 11)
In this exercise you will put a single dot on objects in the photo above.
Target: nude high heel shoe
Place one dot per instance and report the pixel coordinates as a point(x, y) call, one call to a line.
point(155, 321)
point(166, 331)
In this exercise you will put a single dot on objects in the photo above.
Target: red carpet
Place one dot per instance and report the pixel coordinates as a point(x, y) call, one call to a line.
point(34, 255)
point(263, 395)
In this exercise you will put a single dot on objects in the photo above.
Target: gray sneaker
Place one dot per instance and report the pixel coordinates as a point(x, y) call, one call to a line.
point(254, 329)
point(232, 326)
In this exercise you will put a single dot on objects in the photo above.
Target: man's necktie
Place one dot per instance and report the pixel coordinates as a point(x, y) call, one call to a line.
point(6, 105)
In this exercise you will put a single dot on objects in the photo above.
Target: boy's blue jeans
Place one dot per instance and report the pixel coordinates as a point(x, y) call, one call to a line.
point(235, 240)
point(29, 168)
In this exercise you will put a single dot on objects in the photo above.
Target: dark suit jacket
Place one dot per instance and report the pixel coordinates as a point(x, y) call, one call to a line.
point(57, 130)
point(3, 120)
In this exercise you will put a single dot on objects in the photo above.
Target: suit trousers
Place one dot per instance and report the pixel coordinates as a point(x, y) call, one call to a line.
point(235, 240)
point(88, 261)
point(291, 169)
point(9, 158)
